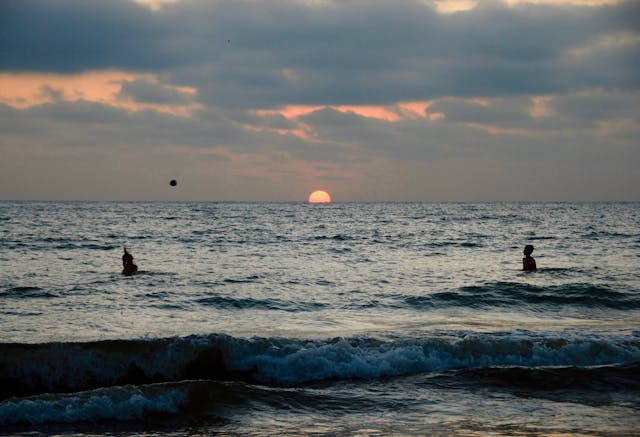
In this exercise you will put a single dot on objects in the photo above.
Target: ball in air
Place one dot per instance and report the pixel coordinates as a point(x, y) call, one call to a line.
point(173, 182)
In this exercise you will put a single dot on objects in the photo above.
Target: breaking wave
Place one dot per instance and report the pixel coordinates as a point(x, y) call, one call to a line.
point(29, 369)
point(113, 403)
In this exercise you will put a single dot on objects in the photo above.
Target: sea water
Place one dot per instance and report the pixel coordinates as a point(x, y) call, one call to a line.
point(336, 319)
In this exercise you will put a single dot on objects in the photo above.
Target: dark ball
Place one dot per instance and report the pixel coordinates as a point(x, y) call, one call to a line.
point(173, 183)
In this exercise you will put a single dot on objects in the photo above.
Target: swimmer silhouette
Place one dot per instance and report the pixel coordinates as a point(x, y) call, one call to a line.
point(528, 262)
point(128, 267)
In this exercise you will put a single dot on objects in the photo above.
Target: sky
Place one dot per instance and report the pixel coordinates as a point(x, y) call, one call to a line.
point(249, 100)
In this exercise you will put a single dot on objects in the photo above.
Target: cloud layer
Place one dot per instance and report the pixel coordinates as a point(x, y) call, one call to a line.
point(247, 100)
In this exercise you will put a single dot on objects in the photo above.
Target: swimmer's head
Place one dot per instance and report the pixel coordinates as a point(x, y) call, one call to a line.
point(528, 249)
point(127, 258)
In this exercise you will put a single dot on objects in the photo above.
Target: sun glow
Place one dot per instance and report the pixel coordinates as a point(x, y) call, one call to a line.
point(319, 196)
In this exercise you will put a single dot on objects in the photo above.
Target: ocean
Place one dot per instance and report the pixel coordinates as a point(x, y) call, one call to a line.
point(319, 319)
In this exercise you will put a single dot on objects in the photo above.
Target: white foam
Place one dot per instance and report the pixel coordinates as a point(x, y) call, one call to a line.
point(360, 358)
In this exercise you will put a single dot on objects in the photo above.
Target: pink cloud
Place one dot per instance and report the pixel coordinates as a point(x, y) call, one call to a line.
point(376, 112)
point(393, 113)
point(290, 112)
point(25, 90)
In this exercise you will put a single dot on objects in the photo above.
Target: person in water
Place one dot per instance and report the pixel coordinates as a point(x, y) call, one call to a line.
point(528, 262)
point(128, 267)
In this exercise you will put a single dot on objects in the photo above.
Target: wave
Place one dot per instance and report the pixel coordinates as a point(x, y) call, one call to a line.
point(114, 403)
point(338, 237)
point(596, 235)
point(263, 304)
point(508, 294)
point(454, 243)
point(63, 244)
point(28, 369)
point(22, 292)
point(166, 405)
point(591, 378)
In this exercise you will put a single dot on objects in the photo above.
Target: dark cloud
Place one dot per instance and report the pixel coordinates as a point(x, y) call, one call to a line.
point(505, 112)
point(79, 113)
point(61, 123)
point(70, 36)
point(355, 52)
point(269, 121)
point(597, 106)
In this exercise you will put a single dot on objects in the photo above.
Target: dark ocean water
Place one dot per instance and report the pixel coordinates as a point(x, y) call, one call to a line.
point(339, 319)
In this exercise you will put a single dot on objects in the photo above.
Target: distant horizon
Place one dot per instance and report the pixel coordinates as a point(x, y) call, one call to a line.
point(305, 201)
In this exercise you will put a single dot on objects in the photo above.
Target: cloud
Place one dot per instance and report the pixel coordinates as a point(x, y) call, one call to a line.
point(402, 100)
point(131, 91)
point(145, 91)
point(264, 54)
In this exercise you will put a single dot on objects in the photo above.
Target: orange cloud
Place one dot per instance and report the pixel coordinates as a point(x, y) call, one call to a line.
point(391, 114)
point(401, 111)
point(23, 90)
point(293, 112)
point(304, 131)
point(452, 6)
point(290, 112)
point(376, 112)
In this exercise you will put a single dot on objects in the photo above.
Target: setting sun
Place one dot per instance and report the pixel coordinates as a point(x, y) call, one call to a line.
point(319, 196)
